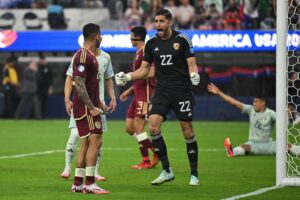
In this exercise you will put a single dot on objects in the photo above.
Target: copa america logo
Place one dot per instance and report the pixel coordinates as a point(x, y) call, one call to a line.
point(7, 38)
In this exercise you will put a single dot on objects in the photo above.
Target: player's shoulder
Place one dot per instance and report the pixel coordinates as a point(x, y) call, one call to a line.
point(83, 55)
point(183, 37)
point(104, 54)
point(152, 39)
point(270, 111)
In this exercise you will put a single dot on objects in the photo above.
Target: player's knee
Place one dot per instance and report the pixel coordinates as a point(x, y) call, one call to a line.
point(187, 131)
point(129, 130)
point(246, 147)
point(154, 129)
point(73, 137)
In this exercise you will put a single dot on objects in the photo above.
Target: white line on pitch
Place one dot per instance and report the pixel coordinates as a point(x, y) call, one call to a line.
point(254, 193)
point(104, 149)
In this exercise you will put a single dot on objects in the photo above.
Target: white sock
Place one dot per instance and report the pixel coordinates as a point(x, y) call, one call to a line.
point(141, 136)
point(238, 151)
point(295, 149)
point(71, 148)
point(98, 162)
point(80, 172)
point(90, 171)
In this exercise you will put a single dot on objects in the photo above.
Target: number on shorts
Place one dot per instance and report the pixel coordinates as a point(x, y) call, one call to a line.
point(184, 106)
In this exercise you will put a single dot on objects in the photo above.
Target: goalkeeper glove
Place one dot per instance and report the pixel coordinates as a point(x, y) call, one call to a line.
point(195, 78)
point(122, 78)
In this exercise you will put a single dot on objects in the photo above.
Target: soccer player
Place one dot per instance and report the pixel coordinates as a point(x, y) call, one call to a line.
point(262, 120)
point(86, 109)
point(106, 74)
point(175, 73)
point(139, 107)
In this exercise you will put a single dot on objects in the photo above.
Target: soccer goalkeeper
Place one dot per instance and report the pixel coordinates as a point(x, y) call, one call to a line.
point(262, 120)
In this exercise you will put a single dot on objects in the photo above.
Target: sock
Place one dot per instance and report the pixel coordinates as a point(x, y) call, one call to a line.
point(144, 141)
point(98, 162)
point(79, 175)
point(161, 151)
point(238, 151)
point(295, 149)
point(192, 151)
point(90, 175)
point(71, 148)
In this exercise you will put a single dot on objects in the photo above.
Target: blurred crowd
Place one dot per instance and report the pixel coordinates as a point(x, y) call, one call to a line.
point(188, 14)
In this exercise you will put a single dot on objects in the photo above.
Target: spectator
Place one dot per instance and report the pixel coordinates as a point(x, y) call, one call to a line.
point(10, 83)
point(29, 97)
point(171, 6)
point(269, 21)
point(251, 16)
point(214, 17)
point(185, 15)
point(134, 14)
point(232, 16)
point(44, 84)
point(93, 4)
point(200, 16)
point(150, 13)
point(218, 4)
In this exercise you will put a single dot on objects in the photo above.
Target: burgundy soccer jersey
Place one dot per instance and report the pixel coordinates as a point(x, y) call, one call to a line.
point(85, 65)
point(143, 89)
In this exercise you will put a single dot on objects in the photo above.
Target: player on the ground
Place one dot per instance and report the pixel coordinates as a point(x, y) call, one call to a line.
point(262, 120)
point(139, 107)
point(86, 109)
point(106, 75)
point(175, 73)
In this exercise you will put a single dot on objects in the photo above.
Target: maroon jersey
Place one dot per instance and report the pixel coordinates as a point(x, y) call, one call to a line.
point(85, 65)
point(143, 89)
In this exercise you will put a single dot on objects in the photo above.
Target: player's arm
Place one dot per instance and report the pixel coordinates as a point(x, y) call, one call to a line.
point(151, 72)
point(215, 90)
point(111, 93)
point(126, 93)
point(142, 72)
point(67, 92)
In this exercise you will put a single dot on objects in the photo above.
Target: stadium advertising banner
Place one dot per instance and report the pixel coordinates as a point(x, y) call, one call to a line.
point(119, 41)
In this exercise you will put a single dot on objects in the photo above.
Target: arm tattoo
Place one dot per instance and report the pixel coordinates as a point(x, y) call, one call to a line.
point(82, 93)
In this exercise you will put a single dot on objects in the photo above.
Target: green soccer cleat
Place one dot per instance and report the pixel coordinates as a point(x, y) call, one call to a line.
point(164, 177)
point(194, 180)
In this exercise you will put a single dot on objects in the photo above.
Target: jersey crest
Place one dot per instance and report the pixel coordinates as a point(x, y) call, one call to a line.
point(176, 46)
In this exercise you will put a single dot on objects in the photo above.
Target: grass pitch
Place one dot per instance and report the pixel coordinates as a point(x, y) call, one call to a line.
point(37, 176)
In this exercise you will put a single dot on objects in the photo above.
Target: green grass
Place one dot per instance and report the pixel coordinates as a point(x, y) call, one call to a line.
point(37, 177)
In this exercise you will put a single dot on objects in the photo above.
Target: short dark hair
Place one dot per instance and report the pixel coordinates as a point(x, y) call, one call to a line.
point(263, 97)
point(164, 12)
point(139, 31)
point(90, 30)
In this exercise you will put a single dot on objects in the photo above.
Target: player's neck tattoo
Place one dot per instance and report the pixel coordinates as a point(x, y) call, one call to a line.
point(82, 93)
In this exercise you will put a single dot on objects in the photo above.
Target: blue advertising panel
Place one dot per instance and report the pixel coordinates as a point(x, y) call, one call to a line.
point(119, 41)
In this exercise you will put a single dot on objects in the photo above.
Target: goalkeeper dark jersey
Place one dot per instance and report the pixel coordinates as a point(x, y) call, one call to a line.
point(171, 67)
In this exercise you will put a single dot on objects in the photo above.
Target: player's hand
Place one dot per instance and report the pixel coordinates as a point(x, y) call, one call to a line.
point(94, 112)
point(123, 96)
point(112, 105)
point(195, 78)
point(213, 89)
point(69, 106)
point(122, 78)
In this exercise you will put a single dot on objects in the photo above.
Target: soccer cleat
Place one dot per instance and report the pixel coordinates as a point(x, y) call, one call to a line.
point(77, 188)
point(93, 189)
point(65, 175)
point(228, 147)
point(194, 180)
point(142, 165)
point(155, 161)
point(164, 177)
point(100, 178)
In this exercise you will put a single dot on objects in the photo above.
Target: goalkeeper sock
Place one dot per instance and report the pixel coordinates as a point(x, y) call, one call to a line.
point(161, 150)
point(192, 152)
point(71, 148)
point(144, 141)
point(238, 151)
point(295, 149)
point(98, 161)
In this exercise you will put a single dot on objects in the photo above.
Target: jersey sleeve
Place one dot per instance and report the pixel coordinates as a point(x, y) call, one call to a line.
point(148, 57)
point(81, 62)
point(187, 46)
point(109, 72)
point(273, 115)
point(70, 69)
point(247, 109)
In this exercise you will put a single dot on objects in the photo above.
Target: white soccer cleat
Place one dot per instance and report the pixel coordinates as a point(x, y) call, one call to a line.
point(164, 177)
point(65, 174)
point(100, 178)
point(194, 180)
point(93, 189)
point(77, 188)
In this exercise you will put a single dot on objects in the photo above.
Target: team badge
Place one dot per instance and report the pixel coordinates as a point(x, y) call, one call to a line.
point(97, 125)
point(81, 68)
point(176, 46)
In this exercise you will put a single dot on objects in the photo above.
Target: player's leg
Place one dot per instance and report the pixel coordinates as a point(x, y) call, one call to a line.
point(80, 166)
point(191, 149)
point(294, 149)
point(104, 129)
point(70, 152)
point(241, 150)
